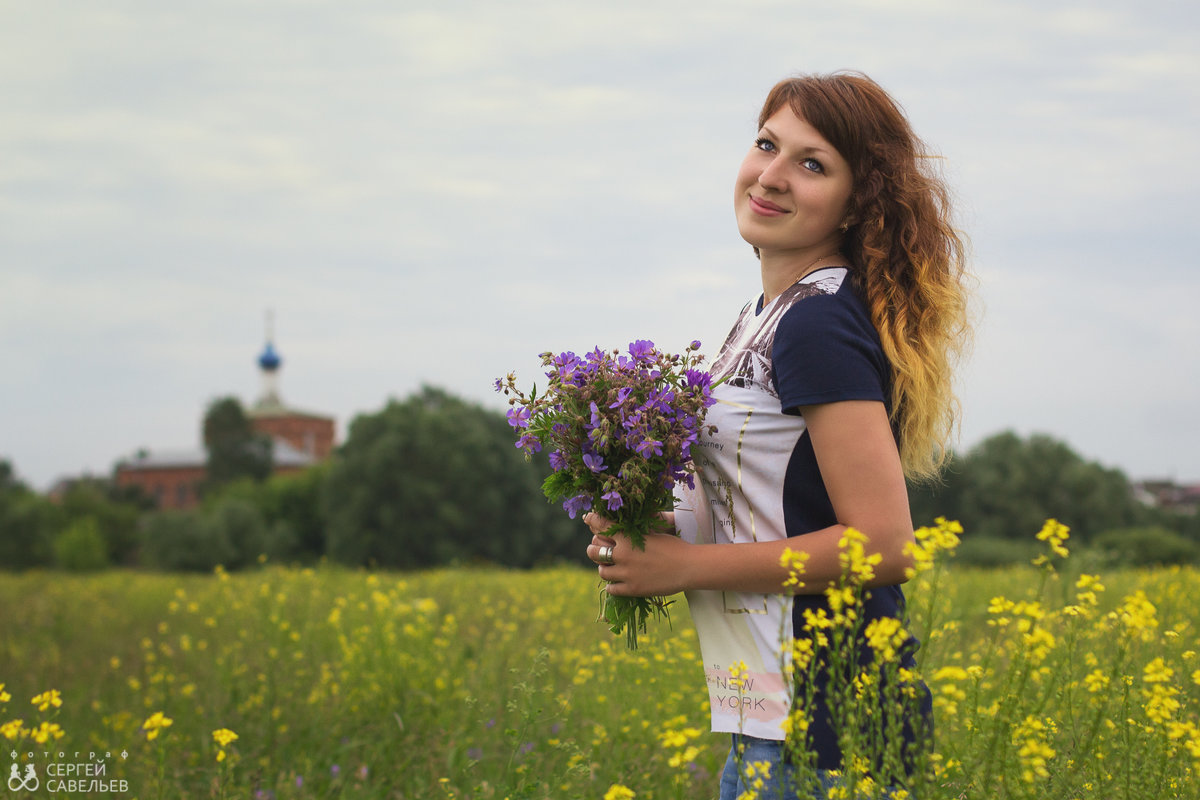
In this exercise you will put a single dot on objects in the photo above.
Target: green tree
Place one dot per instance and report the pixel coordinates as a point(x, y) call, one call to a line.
point(1188, 525)
point(291, 505)
point(115, 516)
point(234, 449)
point(1007, 486)
point(929, 500)
point(185, 540)
point(28, 523)
point(81, 547)
point(435, 479)
point(8, 476)
point(291, 509)
point(240, 523)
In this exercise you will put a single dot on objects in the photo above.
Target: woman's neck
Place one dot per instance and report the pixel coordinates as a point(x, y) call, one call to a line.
point(780, 272)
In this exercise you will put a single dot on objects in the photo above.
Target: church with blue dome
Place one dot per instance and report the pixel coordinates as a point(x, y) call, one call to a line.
point(307, 431)
point(300, 439)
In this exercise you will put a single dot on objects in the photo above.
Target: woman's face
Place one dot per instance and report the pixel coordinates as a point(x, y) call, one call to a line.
point(792, 190)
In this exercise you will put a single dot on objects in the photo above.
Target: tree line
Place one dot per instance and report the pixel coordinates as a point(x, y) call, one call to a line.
point(434, 480)
point(1004, 489)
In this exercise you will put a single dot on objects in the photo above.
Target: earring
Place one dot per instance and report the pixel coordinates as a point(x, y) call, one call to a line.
point(845, 226)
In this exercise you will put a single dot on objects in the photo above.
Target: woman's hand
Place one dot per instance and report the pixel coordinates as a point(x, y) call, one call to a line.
point(630, 572)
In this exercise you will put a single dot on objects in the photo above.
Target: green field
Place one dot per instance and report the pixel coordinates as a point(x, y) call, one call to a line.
point(482, 683)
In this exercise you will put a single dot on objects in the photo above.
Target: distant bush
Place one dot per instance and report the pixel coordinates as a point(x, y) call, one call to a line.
point(185, 540)
point(239, 523)
point(290, 510)
point(436, 480)
point(81, 547)
point(1146, 546)
point(242, 523)
point(28, 523)
point(115, 517)
point(992, 551)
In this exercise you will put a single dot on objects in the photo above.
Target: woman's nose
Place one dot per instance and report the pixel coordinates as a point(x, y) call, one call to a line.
point(772, 177)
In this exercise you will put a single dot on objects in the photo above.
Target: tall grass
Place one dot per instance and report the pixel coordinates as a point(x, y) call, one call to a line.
point(482, 683)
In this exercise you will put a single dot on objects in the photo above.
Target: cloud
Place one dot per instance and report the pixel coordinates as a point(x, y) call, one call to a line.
point(438, 192)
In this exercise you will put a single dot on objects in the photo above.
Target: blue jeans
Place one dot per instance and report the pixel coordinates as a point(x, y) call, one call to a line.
point(779, 785)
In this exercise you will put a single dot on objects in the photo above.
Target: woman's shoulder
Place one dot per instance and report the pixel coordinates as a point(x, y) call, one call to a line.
point(827, 298)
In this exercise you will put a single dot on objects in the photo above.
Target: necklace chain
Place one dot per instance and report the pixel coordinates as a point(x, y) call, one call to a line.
point(808, 270)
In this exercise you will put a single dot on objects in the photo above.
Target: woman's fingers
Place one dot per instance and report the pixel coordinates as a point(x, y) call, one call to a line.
point(596, 523)
point(602, 549)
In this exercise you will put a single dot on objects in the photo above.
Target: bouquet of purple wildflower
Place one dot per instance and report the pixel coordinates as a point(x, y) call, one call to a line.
point(619, 431)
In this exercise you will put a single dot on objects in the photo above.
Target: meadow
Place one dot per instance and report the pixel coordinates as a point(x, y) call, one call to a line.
point(283, 682)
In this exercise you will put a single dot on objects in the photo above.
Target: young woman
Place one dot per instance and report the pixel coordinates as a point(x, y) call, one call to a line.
point(836, 387)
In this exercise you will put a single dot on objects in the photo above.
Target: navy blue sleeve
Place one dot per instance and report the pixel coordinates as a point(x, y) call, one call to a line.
point(826, 350)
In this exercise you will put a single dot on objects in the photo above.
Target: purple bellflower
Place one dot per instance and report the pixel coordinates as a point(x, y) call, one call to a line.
point(619, 428)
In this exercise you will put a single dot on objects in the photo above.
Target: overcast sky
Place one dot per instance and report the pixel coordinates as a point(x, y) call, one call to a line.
point(435, 192)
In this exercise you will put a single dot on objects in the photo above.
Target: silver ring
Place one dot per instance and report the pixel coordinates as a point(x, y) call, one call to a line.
point(605, 554)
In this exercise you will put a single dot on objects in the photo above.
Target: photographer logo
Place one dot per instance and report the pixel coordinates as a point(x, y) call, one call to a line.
point(29, 782)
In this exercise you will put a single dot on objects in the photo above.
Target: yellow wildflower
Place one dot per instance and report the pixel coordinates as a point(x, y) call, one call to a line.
point(1161, 702)
point(46, 731)
point(1053, 533)
point(737, 674)
point(802, 654)
point(1000, 605)
point(929, 542)
point(619, 792)
point(12, 729)
point(1138, 615)
point(1096, 681)
point(885, 635)
point(223, 737)
point(795, 724)
point(852, 555)
point(817, 620)
point(4, 696)
point(1088, 586)
point(1157, 671)
point(793, 561)
point(840, 599)
point(1193, 745)
point(154, 724)
point(1033, 749)
point(684, 757)
point(948, 694)
point(950, 673)
point(679, 738)
point(947, 533)
point(46, 699)
point(1029, 608)
point(1039, 643)
point(1178, 730)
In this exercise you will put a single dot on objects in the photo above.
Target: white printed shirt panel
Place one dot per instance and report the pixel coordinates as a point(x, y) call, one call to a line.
point(739, 498)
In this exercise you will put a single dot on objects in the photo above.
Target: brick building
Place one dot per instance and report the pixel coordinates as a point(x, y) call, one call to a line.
point(300, 439)
point(1181, 498)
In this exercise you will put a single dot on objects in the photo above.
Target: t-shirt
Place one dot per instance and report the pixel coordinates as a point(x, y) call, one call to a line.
point(757, 480)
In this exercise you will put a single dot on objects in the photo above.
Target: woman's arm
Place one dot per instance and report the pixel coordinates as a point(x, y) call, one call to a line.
point(860, 466)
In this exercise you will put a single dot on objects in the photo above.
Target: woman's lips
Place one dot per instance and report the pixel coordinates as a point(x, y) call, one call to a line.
point(765, 207)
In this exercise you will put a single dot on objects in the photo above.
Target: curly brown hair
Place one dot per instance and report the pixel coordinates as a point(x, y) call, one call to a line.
point(909, 260)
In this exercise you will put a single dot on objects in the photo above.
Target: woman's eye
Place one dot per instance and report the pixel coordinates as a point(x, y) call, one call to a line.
point(812, 165)
point(766, 145)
